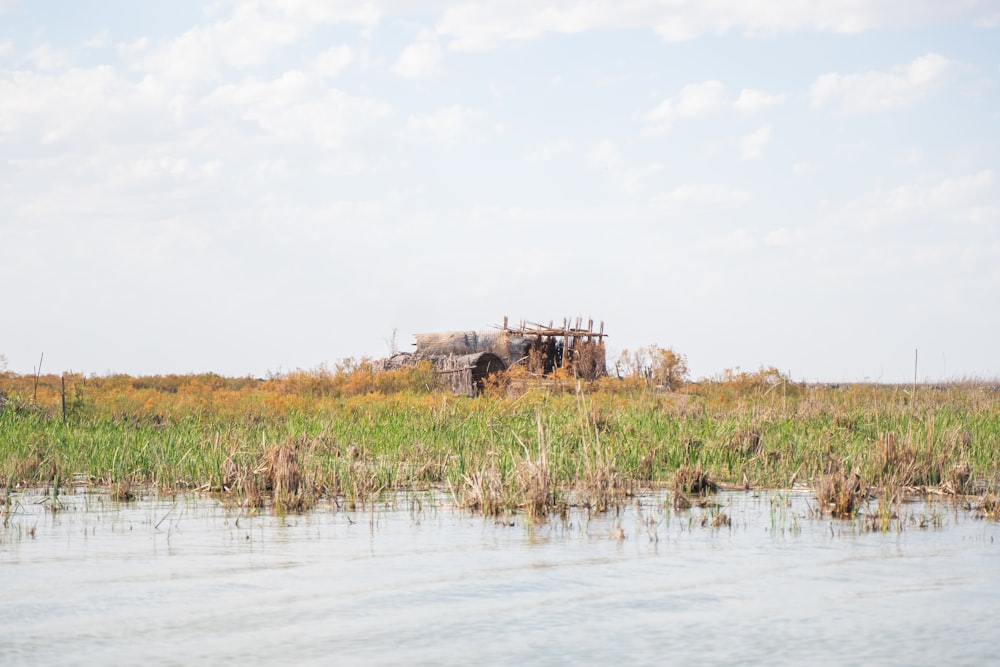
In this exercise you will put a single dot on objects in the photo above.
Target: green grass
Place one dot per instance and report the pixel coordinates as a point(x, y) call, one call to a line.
point(591, 448)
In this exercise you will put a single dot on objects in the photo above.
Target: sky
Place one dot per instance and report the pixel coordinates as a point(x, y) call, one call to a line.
point(253, 187)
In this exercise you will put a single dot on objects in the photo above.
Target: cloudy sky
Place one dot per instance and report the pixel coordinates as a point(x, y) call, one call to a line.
point(263, 185)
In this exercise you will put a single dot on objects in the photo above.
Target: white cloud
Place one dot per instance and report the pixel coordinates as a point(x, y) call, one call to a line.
point(696, 100)
point(988, 20)
point(706, 99)
point(784, 237)
point(189, 59)
point(117, 189)
point(333, 61)
point(419, 60)
point(913, 157)
point(737, 242)
point(130, 51)
point(753, 101)
point(99, 40)
point(489, 23)
point(874, 91)
point(802, 169)
point(605, 155)
point(549, 150)
point(445, 125)
point(47, 59)
point(6, 47)
point(81, 105)
point(983, 255)
point(700, 197)
point(633, 181)
point(971, 199)
point(364, 13)
point(753, 145)
point(295, 107)
point(164, 172)
point(253, 33)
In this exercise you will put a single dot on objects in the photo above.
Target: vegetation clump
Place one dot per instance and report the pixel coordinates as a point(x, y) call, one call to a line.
point(840, 493)
point(484, 492)
point(693, 480)
point(687, 481)
point(959, 479)
point(988, 507)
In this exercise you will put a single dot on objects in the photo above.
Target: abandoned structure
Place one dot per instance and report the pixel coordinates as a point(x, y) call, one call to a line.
point(466, 358)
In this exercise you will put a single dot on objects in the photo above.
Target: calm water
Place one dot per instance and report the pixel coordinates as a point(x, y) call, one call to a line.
point(181, 581)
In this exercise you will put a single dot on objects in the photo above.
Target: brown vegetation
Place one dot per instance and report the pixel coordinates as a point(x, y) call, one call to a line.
point(839, 493)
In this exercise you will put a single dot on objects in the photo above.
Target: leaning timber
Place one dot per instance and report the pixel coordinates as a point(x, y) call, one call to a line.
point(467, 374)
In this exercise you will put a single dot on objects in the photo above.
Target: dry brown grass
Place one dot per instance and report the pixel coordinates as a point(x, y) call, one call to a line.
point(535, 487)
point(122, 490)
point(688, 480)
point(716, 519)
point(534, 481)
point(746, 441)
point(604, 487)
point(484, 492)
point(645, 469)
point(988, 507)
point(279, 472)
point(958, 480)
point(895, 459)
point(283, 476)
point(840, 493)
point(33, 465)
point(240, 482)
point(588, 361)
point(694, 480)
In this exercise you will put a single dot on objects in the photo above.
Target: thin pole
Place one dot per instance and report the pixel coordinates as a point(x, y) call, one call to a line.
point(38, 371)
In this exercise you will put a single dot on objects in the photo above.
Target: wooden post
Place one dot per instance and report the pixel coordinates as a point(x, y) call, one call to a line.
point(565, 357)
point(64, 397)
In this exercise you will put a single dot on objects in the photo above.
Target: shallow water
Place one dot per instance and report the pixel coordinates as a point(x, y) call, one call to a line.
point(184, 580)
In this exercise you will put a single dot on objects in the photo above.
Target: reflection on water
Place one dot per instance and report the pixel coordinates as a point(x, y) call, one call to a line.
point(184, 580)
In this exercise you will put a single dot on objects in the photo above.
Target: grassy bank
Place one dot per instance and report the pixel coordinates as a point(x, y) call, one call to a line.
point(354, 434)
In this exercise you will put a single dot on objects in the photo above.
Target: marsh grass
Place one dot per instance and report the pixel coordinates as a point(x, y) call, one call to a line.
point(988, 507)
point(958, 480)
point(122, 490)
point(888, 514)
point(284, 476)
point(840, 493)
point(484, 491)
point(690, 480)
point(693, 480)
point(290, 442)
